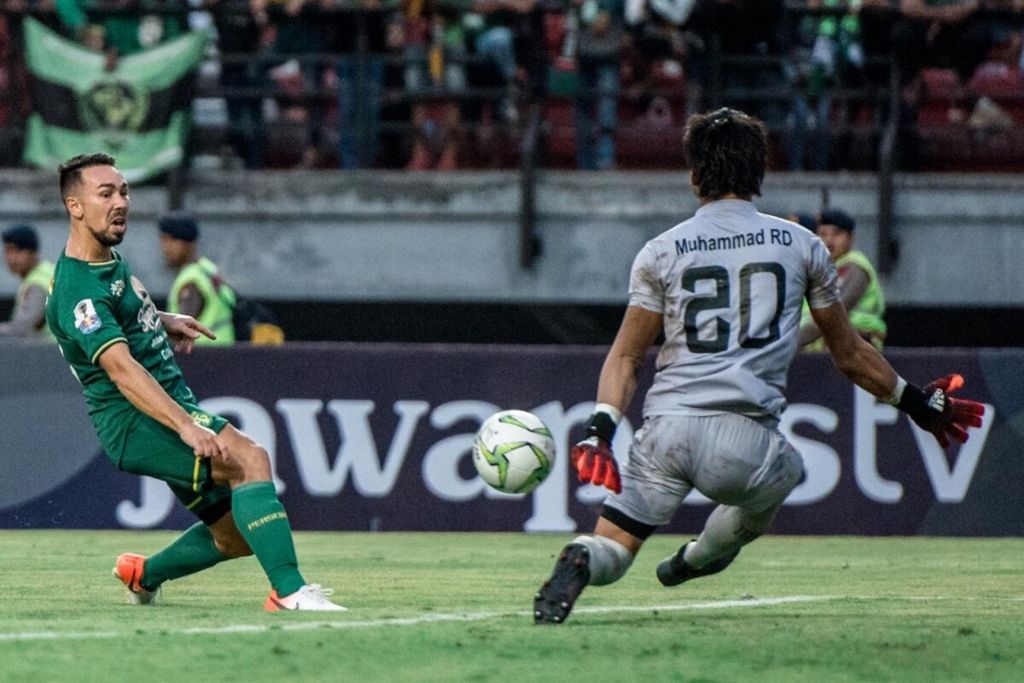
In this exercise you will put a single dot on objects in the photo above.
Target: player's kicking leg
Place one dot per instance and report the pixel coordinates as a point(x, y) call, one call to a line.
point(151, 449)
point(128, 569)
point(193, 551)
point(242, 519)
point(219, 541)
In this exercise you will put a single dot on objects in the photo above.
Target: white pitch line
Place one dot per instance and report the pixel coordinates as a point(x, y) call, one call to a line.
point(718, 604)
point(402, 621)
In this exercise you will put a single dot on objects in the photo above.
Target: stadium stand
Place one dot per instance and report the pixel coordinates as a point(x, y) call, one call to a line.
point(290, 100)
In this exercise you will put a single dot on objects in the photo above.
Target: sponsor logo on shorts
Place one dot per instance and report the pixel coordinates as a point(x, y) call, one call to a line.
point(87, 320)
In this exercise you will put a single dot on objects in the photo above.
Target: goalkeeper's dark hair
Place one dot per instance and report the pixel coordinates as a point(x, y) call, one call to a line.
point(70, 172)
point(727, 151)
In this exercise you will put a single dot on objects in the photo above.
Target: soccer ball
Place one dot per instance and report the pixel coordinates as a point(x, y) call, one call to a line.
point(513, 451)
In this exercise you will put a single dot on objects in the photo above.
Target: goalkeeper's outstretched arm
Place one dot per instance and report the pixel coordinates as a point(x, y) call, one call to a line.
point(856, 358)
point(931, 407)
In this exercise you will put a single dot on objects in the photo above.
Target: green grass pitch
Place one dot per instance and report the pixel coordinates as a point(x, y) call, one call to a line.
point(456, 607)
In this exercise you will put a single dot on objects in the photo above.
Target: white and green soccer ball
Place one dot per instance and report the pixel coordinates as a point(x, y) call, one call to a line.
point(513, 451)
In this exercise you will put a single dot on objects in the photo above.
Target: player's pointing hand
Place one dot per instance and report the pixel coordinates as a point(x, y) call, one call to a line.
point(183, 330)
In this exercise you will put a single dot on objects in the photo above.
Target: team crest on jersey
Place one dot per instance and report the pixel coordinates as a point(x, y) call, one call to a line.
point(87, 320)
point(148, 316)
point(117, 287)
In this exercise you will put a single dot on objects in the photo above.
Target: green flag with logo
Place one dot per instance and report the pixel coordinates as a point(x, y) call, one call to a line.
point(139, 112)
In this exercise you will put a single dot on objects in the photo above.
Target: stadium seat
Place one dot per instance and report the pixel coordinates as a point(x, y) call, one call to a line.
point(940, 83)
point(560, 124)
point(997, 81)
point(554, 33)
point(1004, 85)
point(285, 142)
point(640, 145)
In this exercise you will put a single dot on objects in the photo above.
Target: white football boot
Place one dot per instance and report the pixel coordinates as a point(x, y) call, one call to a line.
point(310, 598)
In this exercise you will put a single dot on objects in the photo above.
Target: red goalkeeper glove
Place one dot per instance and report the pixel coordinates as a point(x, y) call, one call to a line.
point(595, 463)
point(935, 411)
point(593, 457)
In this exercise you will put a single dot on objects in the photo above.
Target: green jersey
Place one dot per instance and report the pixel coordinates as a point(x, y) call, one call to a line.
point(93, 306)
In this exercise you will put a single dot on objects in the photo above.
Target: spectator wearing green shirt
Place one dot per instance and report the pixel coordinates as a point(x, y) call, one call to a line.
point(827, 54)
point(122, 34)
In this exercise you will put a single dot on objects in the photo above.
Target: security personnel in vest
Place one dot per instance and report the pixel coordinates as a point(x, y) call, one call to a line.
point(198, 289)
point(21, 251)
point(859, 288)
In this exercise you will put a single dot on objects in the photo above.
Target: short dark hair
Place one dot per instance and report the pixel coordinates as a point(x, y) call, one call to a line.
point(70, 172)
point(727, 151)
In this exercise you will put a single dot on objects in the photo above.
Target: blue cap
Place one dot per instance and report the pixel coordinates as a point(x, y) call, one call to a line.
point(22, 236)
point(807, 220)
point(839, 219)
point(179, 225)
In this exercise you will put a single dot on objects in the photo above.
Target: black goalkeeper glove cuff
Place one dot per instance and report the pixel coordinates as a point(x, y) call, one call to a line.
point(920, 406)
point(603, 422)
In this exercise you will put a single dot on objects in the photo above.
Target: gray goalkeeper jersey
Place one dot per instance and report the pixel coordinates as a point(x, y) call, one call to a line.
point(730, 283)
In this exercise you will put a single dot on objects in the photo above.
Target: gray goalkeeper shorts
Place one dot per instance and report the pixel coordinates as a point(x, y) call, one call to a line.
point(731, 459)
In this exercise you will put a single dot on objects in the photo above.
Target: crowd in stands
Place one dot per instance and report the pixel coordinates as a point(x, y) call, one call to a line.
point(448, 84)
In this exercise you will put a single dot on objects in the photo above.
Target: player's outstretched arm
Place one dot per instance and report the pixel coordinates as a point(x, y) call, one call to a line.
point(146, 394)
point(592, 457)
point(931, 408)
point(856, 358)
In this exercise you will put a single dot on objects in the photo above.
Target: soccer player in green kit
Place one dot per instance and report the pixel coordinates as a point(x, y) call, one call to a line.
point(119, 347)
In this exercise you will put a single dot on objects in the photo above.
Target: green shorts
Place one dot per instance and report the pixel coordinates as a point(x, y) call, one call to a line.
point(153, 450)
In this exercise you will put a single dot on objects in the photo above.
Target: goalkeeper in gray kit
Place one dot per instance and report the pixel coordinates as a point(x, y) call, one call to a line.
point(725, 288)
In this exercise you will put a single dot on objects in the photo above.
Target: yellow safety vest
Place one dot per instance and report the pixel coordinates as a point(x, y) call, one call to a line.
point(219, 307)
point(867, 315)
point(42, 277)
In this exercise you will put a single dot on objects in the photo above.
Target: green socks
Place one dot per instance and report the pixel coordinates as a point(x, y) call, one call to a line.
point(261, 519)
point(189, 553)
